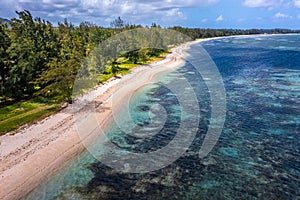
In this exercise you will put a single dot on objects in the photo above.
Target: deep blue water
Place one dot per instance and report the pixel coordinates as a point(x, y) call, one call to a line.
point(256, 157)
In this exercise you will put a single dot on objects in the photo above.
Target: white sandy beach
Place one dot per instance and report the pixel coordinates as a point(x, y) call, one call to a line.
point(30, 156)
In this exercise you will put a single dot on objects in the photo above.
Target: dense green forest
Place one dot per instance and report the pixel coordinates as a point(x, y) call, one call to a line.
point(39, 61)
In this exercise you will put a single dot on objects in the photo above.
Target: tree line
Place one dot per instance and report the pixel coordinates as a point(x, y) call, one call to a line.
point(38, 59)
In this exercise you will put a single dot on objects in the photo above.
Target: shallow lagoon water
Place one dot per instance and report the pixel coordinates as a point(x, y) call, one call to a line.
point(256, 157)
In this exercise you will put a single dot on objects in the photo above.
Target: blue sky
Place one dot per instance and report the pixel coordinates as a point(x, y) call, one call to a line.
point(189, 13)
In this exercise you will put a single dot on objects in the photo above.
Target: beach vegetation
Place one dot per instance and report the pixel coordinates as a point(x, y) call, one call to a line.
point(40, 61)
point(25, 112)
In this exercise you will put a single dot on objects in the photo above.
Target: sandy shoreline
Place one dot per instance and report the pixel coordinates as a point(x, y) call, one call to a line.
point(30, 156)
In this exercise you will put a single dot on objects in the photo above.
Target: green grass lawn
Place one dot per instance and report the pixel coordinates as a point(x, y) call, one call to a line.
point(125, 66)
point(27, 112)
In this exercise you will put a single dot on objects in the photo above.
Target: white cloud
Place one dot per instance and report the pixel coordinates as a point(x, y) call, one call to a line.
point(174, 12)
point(220, 18)
point(99, 10)
point(204, 20)
point(282, 15)
point(262, 3)
point(297, 3)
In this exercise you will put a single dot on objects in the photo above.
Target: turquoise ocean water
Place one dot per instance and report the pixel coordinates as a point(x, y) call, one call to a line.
point(256, 157)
